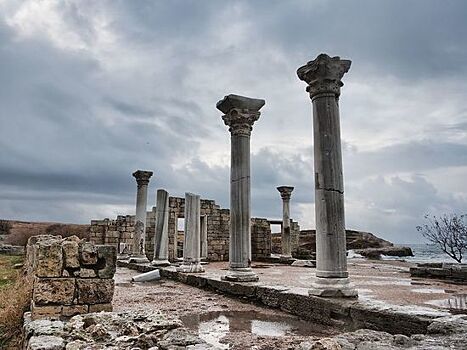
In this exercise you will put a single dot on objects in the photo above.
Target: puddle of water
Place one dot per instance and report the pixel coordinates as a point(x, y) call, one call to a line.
point(457, 303)
point(429, 290)
point(213, 326)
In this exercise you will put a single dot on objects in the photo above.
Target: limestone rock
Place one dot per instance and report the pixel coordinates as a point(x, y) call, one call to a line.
point(374, 253)
point(70, 252)
point(94, 290)
point(48, 258)
point(87, 273)
point(179, 337)
point(48, 311)
point(46, 342)
point(87, 253)
point(304, 263)
point(322, 344)
point(449, 325)
point(43, 327)
point(107, 261)
point(53, 291)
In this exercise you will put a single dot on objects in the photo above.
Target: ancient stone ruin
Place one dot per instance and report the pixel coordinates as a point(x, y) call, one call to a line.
point(69, 276)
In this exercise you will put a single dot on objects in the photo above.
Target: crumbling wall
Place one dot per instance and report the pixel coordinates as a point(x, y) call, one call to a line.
point(70, 276)
point(260, 238)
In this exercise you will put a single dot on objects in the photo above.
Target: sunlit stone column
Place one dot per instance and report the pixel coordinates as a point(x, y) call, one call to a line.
point(286, 192)
point(239, 114)
point(161, 236)
point(138, 254)
point(191, 246)
point(323, 76)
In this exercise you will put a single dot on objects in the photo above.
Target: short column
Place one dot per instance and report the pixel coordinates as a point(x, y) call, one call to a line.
point(240, 113)
point(323, 76)
point(191, 246)
point(138, 253)
point(161, 236)
point(286, 193)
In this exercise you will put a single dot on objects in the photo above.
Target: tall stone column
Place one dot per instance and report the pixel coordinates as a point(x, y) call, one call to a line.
point(286, 193)
point(191, 246)
point(240, 113)
point(323, 76)
point(138, 254)
point(161, 236)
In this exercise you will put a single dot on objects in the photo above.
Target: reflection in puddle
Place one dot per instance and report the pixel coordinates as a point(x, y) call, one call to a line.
point(457, 303)
point(213, 326)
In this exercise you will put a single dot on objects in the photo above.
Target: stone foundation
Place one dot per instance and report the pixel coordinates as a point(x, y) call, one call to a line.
point(70, 276)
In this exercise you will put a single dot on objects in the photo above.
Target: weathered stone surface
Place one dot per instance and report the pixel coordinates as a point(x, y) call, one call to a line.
point(106, 261)
point(449, 325)
point(73, 310)
point(179, 337)
point(304, 263)
point(43, 327)
point(322, 344)
point(71, 252)
point(86, 273)
point(46, 342)
point(100, 307)
point(48, 258)
point(48, 311)
point(94, 290)
point(53, 291)
point(87, 253)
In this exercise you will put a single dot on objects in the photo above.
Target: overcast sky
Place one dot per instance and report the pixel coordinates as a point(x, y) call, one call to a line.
point(93, 90)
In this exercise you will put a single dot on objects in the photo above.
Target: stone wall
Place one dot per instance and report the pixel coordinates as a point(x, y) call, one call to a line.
point(214, 219)
point(260, 238)
point(69, 276)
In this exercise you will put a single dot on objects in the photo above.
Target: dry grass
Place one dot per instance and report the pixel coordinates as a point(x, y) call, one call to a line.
point(20, 231)
point(15, 296)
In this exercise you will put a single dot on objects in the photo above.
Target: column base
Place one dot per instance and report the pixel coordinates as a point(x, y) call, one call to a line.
point(333, 288)
point(157, 262)
point(191, 268)
point(241, 275)
point(138, 259)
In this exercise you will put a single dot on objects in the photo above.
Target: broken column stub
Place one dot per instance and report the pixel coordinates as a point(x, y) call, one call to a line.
point(161, 236)
point(323, 76)
point(70, 276)
point(138, 254)
point(191, 247)
point(240, 113)
point(286, 193)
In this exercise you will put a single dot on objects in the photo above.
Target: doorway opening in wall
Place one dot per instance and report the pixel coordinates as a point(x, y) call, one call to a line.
point(180, 236)
point(276, 237)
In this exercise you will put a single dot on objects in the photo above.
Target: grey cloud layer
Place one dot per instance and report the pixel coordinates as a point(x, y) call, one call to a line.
point(121, 85)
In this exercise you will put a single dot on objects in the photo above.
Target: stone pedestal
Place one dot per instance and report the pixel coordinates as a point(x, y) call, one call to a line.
point(161, 236)
point(323, 76)
point(286, 192)
point(138, 254)
point(240, 113)
point(191, 247)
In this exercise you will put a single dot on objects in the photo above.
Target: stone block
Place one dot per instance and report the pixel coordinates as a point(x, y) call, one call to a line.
point(88, 253)
point(72, 310)
point(100, 307)
point(70, 252)
point(54, 291)
point(86, 273)
point(95, 290)
point(107, 261)
point(52, 312)
point(47, 258)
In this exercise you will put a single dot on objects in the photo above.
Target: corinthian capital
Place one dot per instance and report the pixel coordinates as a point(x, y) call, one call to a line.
point(324, 74)
point(142, 177)
point(240, 113)
point(285, 191)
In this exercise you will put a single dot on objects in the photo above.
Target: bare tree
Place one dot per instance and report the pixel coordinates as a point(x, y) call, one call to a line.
point(449, 232)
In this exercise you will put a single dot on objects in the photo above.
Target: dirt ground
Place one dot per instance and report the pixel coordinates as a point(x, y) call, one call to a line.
point(230, 321)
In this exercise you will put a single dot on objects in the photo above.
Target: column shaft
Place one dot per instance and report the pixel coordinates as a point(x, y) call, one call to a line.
point(161, 236)
point(240, 220)
point(331, 260)
point(286, 246)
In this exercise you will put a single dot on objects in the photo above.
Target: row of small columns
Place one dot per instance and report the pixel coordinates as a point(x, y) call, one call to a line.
point(324, 78)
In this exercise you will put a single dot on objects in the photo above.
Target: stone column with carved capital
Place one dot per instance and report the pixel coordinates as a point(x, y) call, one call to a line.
point(324, 78)
point(138, 253)
point(240, 113)
point(286, 193)
point(161, 236)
